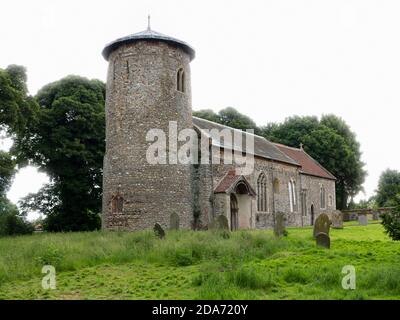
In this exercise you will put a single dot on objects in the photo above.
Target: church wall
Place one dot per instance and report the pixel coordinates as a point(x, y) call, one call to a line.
point(280, 200)
point(142, 95)
point(312, 186)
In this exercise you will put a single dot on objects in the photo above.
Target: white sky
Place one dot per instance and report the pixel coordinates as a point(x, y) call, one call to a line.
point(268, 59)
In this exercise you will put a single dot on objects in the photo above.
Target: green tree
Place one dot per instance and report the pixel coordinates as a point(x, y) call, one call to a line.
point(232, 118)
point(391, 220)
point(229, 117)
point(66, 140)
point(362, 204)
point(292, 131)
point(11, 222)
point(207, 114)
point(7, 172)
point(329, 141)
point(388, 188)
point(16, 108)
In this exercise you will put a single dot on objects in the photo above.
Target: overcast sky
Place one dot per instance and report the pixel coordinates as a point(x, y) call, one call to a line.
point(268, 59)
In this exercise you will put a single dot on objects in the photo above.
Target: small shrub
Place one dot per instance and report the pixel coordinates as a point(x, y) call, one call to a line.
point(50, 256)
point(224, 234)
point(285, 233)
point(391, 223)
point(183, 258)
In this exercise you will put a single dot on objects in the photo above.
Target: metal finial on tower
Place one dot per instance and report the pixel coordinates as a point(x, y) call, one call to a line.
point(148, 22)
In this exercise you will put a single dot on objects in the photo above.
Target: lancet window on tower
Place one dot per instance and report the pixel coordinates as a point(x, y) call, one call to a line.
point(180, 80)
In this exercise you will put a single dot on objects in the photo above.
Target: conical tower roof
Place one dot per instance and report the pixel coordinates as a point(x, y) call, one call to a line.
point(149, 35)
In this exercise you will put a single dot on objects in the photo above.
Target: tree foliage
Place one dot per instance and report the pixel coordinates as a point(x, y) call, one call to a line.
point(391, 220)
point(329, 141)
point(369, 203)
point(228, 117)
point(66, 140)
point(388, 188)
point(16, 108)
point(7, 172)
point(292, 131)
point(11, 222)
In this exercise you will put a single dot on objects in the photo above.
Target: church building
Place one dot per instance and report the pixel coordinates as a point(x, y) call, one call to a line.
point(149, 87)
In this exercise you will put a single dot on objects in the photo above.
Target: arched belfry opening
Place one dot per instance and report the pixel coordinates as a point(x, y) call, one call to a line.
point(180, 80)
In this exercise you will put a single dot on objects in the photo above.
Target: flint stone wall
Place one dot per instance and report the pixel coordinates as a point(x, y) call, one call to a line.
point(141, 95)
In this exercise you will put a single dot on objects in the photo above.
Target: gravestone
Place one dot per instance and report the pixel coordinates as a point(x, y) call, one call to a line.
point(159, 231)
point(174, 221)
point(222, 222)
point(362, 219)
point(323, 240)
point(337, 220)
point(375, 215)
point(322, 224)
point(279, 226)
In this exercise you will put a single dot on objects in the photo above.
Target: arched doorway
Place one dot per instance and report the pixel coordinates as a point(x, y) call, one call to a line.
point(234, 213)
point(312, 214)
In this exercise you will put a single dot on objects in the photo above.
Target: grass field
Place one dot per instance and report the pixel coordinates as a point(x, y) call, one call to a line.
point(201, 265)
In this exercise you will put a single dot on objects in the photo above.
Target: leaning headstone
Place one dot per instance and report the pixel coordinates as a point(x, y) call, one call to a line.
point(222, 222)
point(174, 221)
point(159, 231)
point(337, 220)
point(323, 240)
point(375, 215)
point(362, 219)
point(279, 226)
point(346, 216)
point(322, 224)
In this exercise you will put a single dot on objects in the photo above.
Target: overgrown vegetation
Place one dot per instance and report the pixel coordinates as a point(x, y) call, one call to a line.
point(388, 188)
point(201, 265)
point(391, 220)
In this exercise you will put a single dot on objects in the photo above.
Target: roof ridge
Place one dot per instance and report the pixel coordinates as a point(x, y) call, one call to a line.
point(228, 127)
point(288, 147)
point(271, 145)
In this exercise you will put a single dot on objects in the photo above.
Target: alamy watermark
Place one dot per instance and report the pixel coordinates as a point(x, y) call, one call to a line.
point(349, 280)
point(237, 145)
point(49, 280)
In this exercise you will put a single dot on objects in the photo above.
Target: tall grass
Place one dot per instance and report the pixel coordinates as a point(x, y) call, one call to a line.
point(238, 265)
point(23, 257)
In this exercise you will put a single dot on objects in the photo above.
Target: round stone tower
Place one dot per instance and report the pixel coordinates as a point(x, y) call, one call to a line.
point(148, 86)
